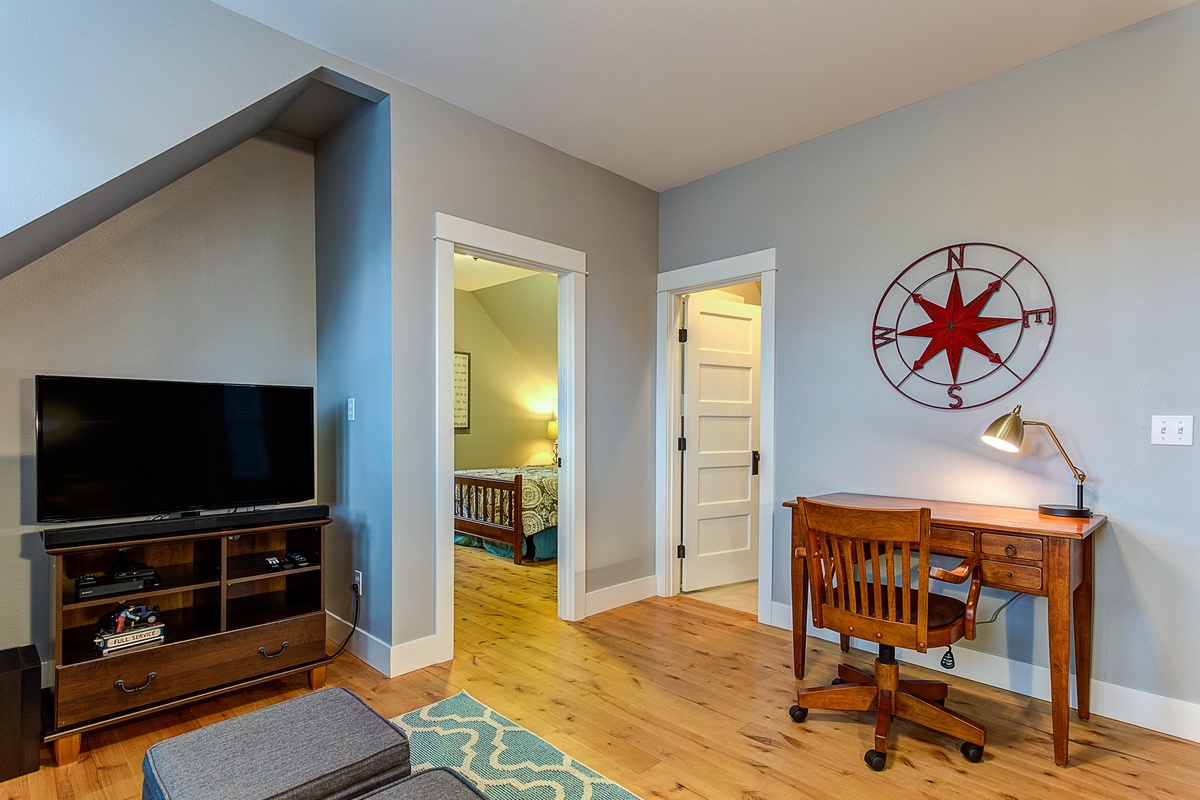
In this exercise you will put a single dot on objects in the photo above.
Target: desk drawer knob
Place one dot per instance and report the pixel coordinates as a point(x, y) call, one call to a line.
point(1010, 550)
point(1010, 574)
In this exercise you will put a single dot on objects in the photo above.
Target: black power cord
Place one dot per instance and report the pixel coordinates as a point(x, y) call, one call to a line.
point(353, 626)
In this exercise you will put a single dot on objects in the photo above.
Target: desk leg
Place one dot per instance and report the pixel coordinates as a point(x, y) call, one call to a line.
point(799, 611)
point(1058, 601)
point(1082, 618)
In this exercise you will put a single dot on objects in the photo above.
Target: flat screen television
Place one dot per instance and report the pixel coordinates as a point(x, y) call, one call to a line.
point(110, 447)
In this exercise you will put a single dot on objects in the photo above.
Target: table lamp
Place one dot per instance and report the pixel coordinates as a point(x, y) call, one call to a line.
point(1007, 432)
point(552, 434)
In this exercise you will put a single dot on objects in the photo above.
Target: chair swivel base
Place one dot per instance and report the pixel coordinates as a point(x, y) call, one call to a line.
point(919, 701)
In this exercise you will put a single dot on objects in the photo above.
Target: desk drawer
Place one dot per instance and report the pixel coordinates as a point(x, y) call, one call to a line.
point(952, 540)
point(1018, 577)
point(1006, 545)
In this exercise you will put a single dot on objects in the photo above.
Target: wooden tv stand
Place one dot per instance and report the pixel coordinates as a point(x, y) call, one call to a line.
point(229, 620)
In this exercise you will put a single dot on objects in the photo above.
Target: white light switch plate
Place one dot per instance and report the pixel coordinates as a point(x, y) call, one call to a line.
point(1171, 430)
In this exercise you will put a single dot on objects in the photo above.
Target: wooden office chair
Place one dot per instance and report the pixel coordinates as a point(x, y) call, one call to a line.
point(861, 566)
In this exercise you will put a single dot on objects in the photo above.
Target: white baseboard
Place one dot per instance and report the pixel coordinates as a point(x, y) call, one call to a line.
point(390, 660)
point(620, 595)
point(1154, 712)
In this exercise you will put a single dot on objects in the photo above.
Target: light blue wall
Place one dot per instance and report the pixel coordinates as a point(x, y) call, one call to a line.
point(354, 359)
point(1084, 161)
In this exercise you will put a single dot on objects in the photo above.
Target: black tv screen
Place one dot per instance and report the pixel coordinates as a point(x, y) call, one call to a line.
point(109, 447)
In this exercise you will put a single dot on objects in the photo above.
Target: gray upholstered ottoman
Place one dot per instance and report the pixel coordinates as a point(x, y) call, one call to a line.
point(327, 744)
point(438, 783)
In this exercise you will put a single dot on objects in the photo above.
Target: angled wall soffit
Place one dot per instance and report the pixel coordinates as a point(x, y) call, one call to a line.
point(304, 110)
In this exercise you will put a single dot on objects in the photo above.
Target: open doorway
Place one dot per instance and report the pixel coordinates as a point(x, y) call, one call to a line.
point(464, 237)
point(506, 425)
point(741, 455)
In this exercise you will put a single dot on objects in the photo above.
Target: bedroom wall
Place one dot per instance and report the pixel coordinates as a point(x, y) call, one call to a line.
point(210, 279)
point(1085, 162)
point(133, 79)
point(511, 400)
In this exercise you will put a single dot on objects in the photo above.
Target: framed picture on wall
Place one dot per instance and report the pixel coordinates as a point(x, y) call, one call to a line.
point(462, 392)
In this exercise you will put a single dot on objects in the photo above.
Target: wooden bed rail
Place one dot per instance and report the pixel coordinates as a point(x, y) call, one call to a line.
point(490, 508)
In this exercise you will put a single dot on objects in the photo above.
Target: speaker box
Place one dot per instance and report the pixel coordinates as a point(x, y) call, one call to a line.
point(20, 711)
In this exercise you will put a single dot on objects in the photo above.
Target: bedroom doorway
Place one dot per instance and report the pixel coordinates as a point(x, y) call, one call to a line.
point(506, 414)
point(738, 453)
point(456, 236)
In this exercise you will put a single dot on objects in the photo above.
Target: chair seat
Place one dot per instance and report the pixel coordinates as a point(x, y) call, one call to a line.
point(944, 611)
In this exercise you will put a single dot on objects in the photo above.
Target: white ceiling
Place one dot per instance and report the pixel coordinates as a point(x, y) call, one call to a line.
point(667, 91)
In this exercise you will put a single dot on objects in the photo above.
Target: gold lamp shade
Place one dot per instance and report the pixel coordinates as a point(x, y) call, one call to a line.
point(1007, 432)
point(552, 429)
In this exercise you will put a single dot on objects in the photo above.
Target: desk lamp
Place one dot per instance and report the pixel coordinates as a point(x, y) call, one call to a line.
point(1006, 434)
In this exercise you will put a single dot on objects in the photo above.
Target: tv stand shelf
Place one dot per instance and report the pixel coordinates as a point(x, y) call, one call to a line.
point(229, 620)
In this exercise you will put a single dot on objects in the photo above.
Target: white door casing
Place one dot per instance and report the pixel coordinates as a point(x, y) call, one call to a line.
point(672, 285)
point(720, 405)
point(465, 236)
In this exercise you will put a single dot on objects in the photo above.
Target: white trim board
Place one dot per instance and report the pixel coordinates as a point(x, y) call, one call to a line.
point(464, 236)
point(620, 595)
point(1133, 706)
point(758, 266)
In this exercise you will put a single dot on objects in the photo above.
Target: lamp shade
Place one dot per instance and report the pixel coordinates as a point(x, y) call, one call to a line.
point(552, 429)
point(1007, 432)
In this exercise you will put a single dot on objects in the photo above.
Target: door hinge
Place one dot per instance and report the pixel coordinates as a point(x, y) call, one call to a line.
point(682, 335)
point(680, 551)
point(755, 457)
point(682, 444)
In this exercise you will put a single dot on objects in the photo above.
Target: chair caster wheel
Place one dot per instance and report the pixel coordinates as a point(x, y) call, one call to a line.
point(875, 759)
point(836, 682)
point(971, 752)
point(798, 714)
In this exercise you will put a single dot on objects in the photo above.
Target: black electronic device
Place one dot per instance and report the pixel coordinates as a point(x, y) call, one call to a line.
point(88, 587)
point(111, 447)
point(183, 526)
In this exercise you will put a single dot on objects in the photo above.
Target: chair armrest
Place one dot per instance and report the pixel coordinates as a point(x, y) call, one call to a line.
point(958, 574)
point(969, 568)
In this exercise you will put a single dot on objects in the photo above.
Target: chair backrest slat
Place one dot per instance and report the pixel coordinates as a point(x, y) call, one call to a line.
point(869, 571)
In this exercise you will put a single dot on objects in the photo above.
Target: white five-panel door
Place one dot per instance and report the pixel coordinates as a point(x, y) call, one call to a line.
point(720, 410)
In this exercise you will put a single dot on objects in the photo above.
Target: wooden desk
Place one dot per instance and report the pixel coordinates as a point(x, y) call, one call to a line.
point(1021, 551)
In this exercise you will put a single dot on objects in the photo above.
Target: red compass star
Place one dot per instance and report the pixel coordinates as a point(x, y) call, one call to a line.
point(955, 327)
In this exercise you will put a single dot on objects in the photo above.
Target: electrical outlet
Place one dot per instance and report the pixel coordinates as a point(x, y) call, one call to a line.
point(358, 581)
point(350, 409)
point(1171, 430)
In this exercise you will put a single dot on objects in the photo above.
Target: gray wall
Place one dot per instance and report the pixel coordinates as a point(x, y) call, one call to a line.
point(354, 359)
point(130, 80)
point(210, 279)
point(1085, 162)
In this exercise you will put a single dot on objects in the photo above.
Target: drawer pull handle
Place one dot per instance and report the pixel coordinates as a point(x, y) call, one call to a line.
point(120, 684)
point(1010, 574)
point(1009, 550)
point(262, 651)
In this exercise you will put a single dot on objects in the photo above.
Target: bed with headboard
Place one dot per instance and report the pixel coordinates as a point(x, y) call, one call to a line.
point(510, 509)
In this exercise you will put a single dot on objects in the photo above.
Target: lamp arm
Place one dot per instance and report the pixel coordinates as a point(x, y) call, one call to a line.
point(1078, 473)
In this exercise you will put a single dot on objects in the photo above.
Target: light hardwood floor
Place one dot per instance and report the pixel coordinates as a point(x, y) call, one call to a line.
point(680, 699)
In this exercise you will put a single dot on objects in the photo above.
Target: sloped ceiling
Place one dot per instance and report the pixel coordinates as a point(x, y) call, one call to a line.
point(669, 91)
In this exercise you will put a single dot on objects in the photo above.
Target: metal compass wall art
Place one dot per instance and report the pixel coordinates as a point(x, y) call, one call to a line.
point(963, 325)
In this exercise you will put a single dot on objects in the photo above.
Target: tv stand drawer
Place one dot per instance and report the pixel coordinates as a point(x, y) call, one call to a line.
point(90, 690)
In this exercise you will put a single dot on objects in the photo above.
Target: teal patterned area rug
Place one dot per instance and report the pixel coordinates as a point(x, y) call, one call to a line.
point(503, 759)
